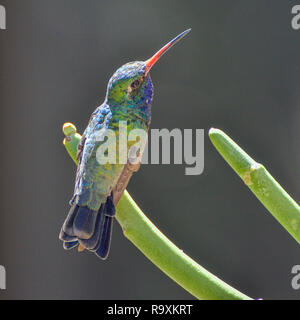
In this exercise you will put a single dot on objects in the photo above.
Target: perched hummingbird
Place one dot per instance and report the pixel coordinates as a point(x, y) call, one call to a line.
point(97, 186)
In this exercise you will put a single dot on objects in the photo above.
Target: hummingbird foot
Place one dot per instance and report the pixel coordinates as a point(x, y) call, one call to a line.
point(80, 248)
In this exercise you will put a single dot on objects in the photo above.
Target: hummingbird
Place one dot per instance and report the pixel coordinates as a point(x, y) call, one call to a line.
point(98, 186)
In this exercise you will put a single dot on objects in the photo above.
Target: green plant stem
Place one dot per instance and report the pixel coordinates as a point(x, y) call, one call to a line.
point(260, 182)
point(160, 250)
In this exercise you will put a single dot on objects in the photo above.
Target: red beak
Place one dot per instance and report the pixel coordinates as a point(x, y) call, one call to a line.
point(150, 62)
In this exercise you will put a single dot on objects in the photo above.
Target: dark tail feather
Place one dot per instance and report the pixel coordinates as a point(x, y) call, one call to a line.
point(110, 209)
point(70, 245)
point(65, 237)
point(80, 222)
point(84, 223)
point(93, 242)
point(68, 224)
point(92, 229)
point(105, 239)
point(104, 244)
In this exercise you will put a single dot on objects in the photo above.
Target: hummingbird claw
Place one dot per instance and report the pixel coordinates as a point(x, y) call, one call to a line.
point(81, 248)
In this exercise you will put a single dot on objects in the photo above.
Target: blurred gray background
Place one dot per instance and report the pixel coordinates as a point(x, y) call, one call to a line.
point(238, 70)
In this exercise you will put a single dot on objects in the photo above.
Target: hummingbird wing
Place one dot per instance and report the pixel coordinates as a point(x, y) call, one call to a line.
point(95, 181)
point(90, 218)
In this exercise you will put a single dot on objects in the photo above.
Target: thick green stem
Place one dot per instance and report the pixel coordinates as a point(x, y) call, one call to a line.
point(158, 248)
point(260, 182)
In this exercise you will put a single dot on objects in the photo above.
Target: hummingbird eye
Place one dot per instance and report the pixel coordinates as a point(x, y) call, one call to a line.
point(135, 84)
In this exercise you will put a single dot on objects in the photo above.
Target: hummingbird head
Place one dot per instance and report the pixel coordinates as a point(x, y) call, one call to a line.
point(131, 84)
